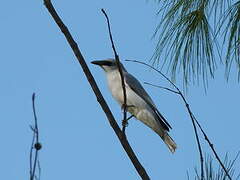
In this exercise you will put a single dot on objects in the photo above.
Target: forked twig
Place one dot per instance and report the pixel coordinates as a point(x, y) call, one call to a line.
point(189, 111)
point(34, 145)
point(193, 119)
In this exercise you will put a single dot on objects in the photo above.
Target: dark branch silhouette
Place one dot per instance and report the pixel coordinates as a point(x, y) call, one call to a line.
point(124, 122)
point(121, 136)
point(193, 119)
point(34, 163)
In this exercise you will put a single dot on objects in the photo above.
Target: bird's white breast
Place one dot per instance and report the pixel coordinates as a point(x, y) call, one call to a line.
point(136, 105)
point(115, 86)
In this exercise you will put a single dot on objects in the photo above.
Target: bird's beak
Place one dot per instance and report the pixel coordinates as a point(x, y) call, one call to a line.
point(99, 63)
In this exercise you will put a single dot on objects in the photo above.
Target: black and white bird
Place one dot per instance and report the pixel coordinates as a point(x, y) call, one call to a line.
point(139, 103)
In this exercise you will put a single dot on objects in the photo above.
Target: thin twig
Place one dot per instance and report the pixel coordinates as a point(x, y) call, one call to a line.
point(35, 144)
point(37, 138)
point(212, 148)
point(140, 169)
point(31, 152)
point(124, 122)
point(193, 118)
point(39, 170)
point(35, 117)
point(189, 111)
point(168, 89)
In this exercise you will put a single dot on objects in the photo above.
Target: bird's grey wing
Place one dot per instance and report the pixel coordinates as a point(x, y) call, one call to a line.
point(136, 86)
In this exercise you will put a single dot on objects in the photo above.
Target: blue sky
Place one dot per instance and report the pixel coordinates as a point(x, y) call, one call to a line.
point(77, 140)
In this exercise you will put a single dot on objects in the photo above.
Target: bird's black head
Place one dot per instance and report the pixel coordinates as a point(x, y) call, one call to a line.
point(108, 64)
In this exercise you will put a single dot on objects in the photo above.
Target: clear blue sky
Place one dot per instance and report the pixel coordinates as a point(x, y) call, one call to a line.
point(77, 140)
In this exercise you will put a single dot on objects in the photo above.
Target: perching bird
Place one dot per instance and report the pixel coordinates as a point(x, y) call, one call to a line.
point(139, 103)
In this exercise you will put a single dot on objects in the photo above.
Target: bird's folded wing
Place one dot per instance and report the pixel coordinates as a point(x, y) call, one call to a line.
point(136, 86)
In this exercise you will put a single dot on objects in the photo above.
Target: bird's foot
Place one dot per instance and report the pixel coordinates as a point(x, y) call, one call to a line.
point(125, 122)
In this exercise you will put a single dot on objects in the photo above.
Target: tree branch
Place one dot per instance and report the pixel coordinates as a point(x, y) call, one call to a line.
point(193, 119)
point(122, 138)
point(35, 144)
point(124, 122)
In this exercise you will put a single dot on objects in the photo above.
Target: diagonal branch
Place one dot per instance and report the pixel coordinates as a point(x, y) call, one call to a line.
point(193, 118)
point(122, 138)
point(124, 122)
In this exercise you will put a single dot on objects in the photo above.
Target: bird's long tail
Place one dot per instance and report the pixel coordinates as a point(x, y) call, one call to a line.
point(169, 142)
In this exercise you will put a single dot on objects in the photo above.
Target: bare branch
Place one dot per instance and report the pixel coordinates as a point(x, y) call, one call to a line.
point(212, 148)
point(189, 111)
point(124, 122)
point(31, 154)
point(122, 138)
point(193, 118)
point(34, 163)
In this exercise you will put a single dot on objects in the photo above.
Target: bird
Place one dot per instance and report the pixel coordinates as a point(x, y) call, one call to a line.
point(138, 102)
